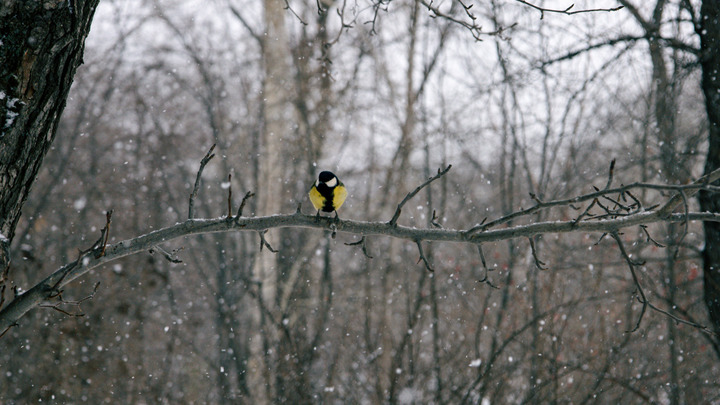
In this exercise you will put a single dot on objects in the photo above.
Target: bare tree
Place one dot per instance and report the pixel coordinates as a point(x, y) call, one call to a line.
point(514, 276)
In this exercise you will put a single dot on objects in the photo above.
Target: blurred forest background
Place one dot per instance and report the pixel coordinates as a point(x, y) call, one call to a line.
point(383, 94)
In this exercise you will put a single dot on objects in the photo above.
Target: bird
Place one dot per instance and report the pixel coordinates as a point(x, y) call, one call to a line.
point(328, 193)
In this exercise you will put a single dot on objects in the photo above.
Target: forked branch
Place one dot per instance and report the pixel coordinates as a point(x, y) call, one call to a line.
point(440, 173)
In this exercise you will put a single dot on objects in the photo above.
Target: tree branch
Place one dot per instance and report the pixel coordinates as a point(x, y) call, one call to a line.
point(191, 208)
point(440, 173)
point(642, 298)
point(703, 183)
point(44, 291)
point(568, 10)
point(40, 293)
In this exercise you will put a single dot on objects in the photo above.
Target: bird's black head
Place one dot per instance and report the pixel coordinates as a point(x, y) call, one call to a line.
point(326, 176)
point(327, 179)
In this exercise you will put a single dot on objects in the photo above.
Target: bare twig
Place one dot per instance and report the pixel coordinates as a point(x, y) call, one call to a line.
point(635, 200)
point(610, 174)
point(106, 232)
point(7, 329)
point(535, 198)
point(433, 220)
point(485, 278)
point(422, 256)
point(99, 247)
point(362, 243)
point(631, 264)
point(568, 10)
point(691, 189)
point(377, 5)
point(538, 263)
point(191, 205)
point(229, 199)
point(79, 313)
point(264, 242)
point(248, 195)
point(287, 7)
point(642, 298)
point(587, 211)
point(649, 238)
point(472, 26)
point(440, 173)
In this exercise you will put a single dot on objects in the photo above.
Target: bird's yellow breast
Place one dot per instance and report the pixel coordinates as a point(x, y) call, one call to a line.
point(317, 199)
point(339, 196)
point(329, 201)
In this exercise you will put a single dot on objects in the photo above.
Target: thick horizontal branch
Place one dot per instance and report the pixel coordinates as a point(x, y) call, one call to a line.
point(41, 292)
point(101, 253)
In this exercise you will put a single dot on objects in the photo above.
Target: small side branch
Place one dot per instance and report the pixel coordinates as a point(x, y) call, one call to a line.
point(191, 205)
point(538, 263)
point(105, 233)
point(362, 243)
point(650, 238)
point(631, 264)
point(434, 219)
point(568, 10)
point(393, 220)
point(642, 298)
point(287, 7)
point(8, 329)
point(229, 199)
point(610, 174)
point(485, 267)
point(57, 306)
point(248, 195)
point(663, 212)
point(264, 242)
point(586, 212)
point(422, 257)
point(98, 247)
point(471, 24)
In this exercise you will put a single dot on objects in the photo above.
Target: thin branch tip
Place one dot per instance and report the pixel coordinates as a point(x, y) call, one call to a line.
point(191, 203)
point(410, 195)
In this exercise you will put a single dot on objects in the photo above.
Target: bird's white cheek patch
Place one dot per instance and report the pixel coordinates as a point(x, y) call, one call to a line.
point(332, 183)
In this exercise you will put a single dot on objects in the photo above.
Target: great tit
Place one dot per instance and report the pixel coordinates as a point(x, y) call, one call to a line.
point(328, 193)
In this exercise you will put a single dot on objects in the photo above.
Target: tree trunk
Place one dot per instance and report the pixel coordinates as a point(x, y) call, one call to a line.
point(277, 121)
point(41, 46)
point(709, 31)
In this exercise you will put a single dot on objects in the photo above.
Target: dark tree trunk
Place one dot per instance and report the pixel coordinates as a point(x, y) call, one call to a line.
point(41, 46)
point(709, 31)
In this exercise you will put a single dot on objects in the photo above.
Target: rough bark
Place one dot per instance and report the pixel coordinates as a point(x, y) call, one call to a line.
point(709, 31)
point(41, 46)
